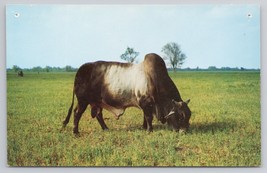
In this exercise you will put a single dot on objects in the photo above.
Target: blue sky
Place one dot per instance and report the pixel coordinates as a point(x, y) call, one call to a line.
point(60, 35)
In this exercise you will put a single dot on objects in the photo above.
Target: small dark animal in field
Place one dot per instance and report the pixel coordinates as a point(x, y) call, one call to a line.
point(116, 86)
point(20, 73)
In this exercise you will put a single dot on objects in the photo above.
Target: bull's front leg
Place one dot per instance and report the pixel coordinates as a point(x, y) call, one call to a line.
point(145, 123)
point(148, 118)
point(97, 112)
point(146, 103)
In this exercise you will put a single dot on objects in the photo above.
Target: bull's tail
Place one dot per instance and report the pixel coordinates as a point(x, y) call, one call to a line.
point(70, 111)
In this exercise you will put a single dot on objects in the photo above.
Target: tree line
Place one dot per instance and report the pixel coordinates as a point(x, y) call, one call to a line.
point(72, 69)
point(214, 68)
point(39, 69)
point(172, 51)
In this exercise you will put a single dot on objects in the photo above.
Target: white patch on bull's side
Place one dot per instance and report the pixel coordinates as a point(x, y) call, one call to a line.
point(124, 83)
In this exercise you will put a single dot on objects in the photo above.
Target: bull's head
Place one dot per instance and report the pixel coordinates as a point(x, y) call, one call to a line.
point(179, 116)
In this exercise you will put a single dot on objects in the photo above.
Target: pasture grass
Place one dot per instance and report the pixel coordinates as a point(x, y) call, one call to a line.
point(225, 125)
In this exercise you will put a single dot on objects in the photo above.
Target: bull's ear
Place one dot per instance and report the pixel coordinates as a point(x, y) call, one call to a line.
point(177, 104)
point(187, 101)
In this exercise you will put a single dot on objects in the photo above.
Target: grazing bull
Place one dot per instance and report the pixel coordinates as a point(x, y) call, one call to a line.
point(116, 86)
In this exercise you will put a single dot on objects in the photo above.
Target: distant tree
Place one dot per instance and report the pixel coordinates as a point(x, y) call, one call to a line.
point(129, 55)
point(69, 68)
point(58, 69)
point(225, 68)
point(212, 68)
point(174, 54)
point(37, 69)
point(188, 68)
point(16, 68)
point(48, 68)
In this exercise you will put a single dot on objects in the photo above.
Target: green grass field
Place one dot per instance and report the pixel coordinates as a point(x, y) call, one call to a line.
point(225, 125)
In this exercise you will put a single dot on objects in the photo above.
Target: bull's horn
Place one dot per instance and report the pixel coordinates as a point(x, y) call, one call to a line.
point(187, 101)
point(170, 114)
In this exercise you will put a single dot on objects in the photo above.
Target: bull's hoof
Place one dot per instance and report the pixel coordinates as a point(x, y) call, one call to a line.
point(76, 134)
point(64, 124)
point(144, 127)
point(63, 127)
point(75, 131)
point(149, 130)
point(176, 130)
point(105, 129)
point(182, 131)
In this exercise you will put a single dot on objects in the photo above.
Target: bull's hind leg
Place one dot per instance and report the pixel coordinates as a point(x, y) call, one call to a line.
point(97, 112)
point(79, 110)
